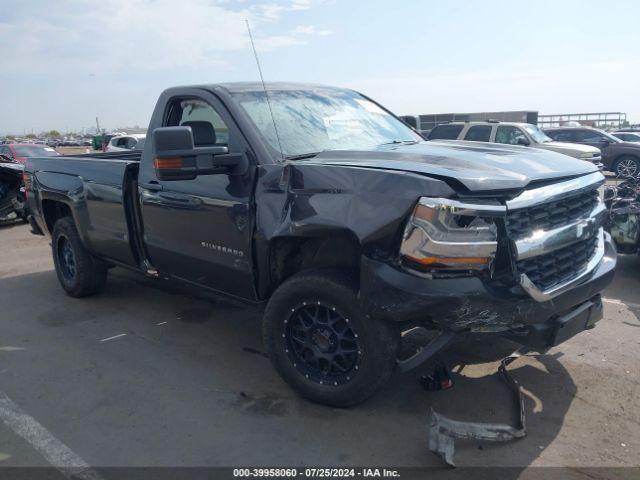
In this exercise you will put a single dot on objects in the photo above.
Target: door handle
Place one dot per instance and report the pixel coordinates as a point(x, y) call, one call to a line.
point(153, 186)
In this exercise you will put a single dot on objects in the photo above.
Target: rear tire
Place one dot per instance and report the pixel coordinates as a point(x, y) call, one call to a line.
point(627, 166)
point(322, 345)
point(80, 274)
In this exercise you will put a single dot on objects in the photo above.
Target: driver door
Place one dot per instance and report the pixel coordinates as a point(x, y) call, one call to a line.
point(200, 230)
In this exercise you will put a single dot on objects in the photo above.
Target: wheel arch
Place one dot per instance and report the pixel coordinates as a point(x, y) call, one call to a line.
point(620, 156)
point(335, 249)
point(53, 210)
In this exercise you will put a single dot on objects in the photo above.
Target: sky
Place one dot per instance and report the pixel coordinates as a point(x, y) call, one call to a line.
point(66, 62)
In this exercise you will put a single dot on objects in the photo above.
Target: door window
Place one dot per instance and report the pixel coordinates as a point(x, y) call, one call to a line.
point(130, 143)
point(122, 142)
point(478, 133)
point(561, 136)
point(509, 135)
point(206, 124)
point(589, 136)
point(445, 132)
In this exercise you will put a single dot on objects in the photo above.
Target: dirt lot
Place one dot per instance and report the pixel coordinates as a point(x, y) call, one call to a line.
point(187, 385)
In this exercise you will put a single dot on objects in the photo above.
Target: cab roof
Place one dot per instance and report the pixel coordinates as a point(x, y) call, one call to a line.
point(242, 87)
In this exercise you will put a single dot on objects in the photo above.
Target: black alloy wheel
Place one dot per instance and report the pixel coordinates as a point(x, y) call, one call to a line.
point(66, 258)
point(321, 344)
point(79, 273)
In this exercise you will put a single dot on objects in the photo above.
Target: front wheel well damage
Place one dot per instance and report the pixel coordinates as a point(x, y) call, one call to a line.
point(290, 255)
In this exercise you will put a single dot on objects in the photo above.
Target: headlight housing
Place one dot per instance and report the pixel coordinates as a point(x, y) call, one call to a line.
point(444, 234)
point(588, 155)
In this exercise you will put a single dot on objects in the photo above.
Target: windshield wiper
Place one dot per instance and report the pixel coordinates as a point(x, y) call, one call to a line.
point(404, 142)
point(302, 156)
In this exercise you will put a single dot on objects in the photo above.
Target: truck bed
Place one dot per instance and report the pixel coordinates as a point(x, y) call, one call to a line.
point(99, 189)
point(132, 155)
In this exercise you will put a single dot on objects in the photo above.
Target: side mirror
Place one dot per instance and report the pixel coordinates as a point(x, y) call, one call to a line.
point(522, 141)
point(176, 157)
point(605, 142)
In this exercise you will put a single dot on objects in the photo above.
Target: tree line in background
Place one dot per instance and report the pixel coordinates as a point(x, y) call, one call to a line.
point(50, 133)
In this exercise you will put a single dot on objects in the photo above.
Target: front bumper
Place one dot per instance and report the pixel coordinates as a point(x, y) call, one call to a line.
point(596, 160)
point(469, 304)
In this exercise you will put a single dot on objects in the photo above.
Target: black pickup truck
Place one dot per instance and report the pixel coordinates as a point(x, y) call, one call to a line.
point(321, 205)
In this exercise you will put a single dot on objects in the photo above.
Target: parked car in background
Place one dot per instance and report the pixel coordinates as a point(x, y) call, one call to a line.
point(622, 158)
point(12, 193)
point(627, 136)
point(21, 151)
point(100, 142)
point(126, 142)
point(511, 133)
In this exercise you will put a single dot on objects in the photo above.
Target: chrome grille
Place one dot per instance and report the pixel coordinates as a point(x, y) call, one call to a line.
point(559, 266)
point(523, 222)
point(556, 234)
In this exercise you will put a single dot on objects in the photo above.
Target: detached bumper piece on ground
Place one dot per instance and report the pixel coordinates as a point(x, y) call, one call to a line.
point(443, 431)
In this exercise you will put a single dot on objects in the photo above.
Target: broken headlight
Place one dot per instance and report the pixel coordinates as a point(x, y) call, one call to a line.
point(444, 234)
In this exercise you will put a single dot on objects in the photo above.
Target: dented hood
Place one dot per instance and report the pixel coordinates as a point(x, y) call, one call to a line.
point(478, 166)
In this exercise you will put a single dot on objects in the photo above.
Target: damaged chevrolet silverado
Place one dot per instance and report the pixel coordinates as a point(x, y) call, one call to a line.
point(321, 205)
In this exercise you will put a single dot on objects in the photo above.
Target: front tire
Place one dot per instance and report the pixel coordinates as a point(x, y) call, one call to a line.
point(322, 345)
point(627, 166)
point(80, 274)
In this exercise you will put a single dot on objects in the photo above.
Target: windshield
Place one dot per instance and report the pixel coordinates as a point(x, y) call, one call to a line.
point(628, 137)
point(538, 135)
point(311, 121)
point(610, 137)
point(35, 151)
